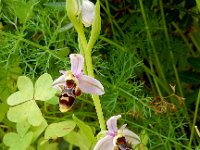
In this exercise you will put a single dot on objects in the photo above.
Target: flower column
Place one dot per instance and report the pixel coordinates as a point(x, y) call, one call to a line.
point(88, 14)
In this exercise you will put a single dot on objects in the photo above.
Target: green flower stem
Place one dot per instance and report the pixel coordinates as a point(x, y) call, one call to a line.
point(70, 6)
point(194, 120)
point(99, 111)
point(86, 48)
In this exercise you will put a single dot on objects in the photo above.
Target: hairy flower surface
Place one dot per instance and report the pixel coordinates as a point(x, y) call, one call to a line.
point(114, 135)
point(86, 83)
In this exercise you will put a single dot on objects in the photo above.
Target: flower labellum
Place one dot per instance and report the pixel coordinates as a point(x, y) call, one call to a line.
point(68, 95)
point(117, 139)
point(66, 99)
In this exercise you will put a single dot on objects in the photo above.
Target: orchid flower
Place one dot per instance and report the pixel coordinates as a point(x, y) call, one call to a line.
point(86, 83)
point(110, 141)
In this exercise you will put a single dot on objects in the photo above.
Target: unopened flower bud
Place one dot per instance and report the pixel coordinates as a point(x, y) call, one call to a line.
point(88, 13)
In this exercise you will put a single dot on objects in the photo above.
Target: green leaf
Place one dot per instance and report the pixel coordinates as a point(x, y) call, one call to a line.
point(46, 145)
point(30, 148)
point(79, 139)
point(85, 129)
point(3, 110)
point(16, 142)
point(25, 92)
point(96, 28)
point(37, 131)
point(25, 84)
point(22, 128)
point(60, 129)
point(43, 88)
point(23, 10)
point(17, 98)
point(26, 111)
point(53, 101)
point(144, 137)
point(198, 4)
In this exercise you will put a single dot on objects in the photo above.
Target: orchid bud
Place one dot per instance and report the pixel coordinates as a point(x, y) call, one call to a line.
point(88, 13)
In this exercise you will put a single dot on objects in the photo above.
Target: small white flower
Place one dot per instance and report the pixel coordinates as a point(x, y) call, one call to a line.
point(109, 141)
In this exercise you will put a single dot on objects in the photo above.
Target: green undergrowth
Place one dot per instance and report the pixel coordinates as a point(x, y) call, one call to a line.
point(141, 51)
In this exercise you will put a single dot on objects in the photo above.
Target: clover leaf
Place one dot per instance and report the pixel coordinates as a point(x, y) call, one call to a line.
point(27, 111)
point(22, 128)
point(43, 88)
point(23, 101)
point(38, 129)
point(17, 142)
point(25, 92)
point(59, 129)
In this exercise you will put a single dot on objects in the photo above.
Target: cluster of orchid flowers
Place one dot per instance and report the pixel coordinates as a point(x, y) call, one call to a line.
point(71, 84)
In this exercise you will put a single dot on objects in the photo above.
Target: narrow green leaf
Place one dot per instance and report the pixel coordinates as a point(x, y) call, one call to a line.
point(198, 4)
point(144, 137)
point(3, 110)
point(26, 111)
point(85, 129)
point(43, 88)
point(60, 129)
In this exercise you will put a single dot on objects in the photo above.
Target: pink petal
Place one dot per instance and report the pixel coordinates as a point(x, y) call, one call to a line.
point(106, 143)
point(60, 81)
point(112, 125)
point(131, 136)
point(77, 62)
point(90, 85)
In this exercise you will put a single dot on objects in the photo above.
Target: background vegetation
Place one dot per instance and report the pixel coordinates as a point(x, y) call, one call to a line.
point(147, 58)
